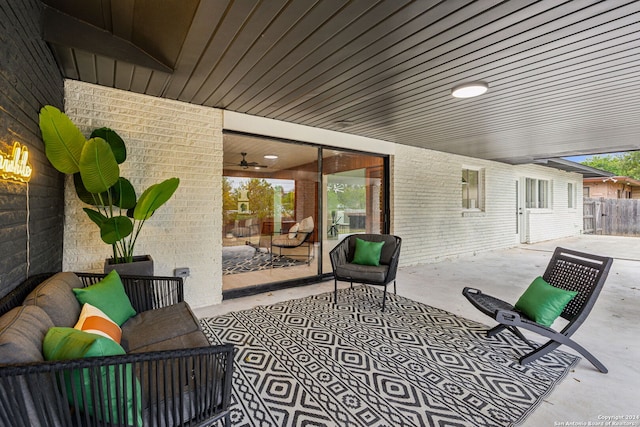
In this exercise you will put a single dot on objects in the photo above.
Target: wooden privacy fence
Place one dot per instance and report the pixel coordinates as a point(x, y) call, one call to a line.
point(615, 217)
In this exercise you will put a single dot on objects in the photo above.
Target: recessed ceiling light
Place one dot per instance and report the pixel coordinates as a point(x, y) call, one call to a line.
point(469, 90)
point(270, 156)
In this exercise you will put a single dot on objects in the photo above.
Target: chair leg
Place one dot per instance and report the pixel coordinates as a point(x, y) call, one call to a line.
point(335, 291)
point(384, 297)
point(515, 331)
point(394, 287)
point(552, 345)
point(495, 330)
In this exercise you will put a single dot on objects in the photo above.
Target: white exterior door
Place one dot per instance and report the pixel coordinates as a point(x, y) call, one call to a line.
point(520, 220)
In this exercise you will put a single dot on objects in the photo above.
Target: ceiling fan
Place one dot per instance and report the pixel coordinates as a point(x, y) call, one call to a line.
point(246, 165)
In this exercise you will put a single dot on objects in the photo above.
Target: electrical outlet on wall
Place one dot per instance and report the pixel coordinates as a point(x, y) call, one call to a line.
point(181, 272)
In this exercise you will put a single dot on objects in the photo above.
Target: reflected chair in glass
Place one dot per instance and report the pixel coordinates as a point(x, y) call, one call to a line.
point(297, 236)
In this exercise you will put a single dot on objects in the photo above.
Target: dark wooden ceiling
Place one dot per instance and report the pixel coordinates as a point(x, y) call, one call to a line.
point(564, 76)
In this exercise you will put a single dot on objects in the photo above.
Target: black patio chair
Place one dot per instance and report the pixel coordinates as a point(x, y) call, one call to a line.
point(569, 270)
point(379, 275)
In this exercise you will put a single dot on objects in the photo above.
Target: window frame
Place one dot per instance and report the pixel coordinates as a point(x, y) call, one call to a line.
point(538, 193)
point(480, 189)
point(571, 195)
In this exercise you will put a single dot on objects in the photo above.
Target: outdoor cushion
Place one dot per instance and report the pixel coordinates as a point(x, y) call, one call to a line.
point(543, 302)
point(284, 240)
point(161, 324)
point(68, 344)
point(109, 296)
point(368, 273)
point(55, 297)
point(22, 330)
point(306, 225)
point(387, 250)
point(294, 230)
point(94, 321)
point(189, 340)
point(367, 253)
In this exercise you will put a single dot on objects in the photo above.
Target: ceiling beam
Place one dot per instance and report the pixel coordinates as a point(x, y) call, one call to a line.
point(66, 30)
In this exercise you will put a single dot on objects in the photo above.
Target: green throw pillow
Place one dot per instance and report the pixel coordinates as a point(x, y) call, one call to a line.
point(543, 302)
point(109, 296)
point(69, 343)
point(367, 253)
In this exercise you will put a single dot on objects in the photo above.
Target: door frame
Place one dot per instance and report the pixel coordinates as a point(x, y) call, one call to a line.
point(521, 213)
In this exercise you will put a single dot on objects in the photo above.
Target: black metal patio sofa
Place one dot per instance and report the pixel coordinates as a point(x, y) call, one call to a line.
point(180, 380)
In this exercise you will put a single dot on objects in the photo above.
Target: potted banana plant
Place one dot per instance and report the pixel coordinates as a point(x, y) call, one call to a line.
point(94, 164)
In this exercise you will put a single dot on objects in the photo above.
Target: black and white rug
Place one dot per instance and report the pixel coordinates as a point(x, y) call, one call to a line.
point(313, 363)
point(243, 259)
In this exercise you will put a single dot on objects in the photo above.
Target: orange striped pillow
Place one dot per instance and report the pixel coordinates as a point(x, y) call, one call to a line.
point(94, 321)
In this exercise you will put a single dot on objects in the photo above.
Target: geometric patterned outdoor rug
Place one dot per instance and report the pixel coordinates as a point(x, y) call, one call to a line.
point(255, 261)
point(315, 363)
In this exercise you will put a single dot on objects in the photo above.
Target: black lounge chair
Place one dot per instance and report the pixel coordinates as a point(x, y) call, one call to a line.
point(569, 270)
point(380, 275)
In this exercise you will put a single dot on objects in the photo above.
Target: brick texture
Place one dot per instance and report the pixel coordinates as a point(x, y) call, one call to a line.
point(427, 213)
point(31, 215)
point(164, 139)
point(168, 138)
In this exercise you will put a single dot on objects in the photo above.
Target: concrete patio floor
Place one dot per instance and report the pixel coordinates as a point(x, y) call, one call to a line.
point(611, 333)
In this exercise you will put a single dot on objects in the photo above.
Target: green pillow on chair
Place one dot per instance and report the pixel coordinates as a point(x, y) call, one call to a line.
point(116, 380)
point(109, 296)
point(367, 253)
point(543, 302)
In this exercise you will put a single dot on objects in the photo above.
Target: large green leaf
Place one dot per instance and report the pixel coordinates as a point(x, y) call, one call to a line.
point(115, 142)
point(98, 166)
point(63, 141)
point(87, 197)
point(95, 216)
point(115, 229)
point(154, 197)
point(124, 194)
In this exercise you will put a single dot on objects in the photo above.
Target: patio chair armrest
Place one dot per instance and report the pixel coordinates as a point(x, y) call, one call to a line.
point(507, 317)
point(339, 254)
point(470, 291)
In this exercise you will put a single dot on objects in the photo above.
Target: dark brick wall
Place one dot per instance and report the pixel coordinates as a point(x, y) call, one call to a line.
point(31, 216)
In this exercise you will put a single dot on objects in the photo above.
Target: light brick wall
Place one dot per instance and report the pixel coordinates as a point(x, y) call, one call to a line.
point(558, 221)
point(164, 139)
point(168, 138)
point(427, 214)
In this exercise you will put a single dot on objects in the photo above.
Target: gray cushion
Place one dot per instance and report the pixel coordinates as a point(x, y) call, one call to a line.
point(154, 326)
point(191, 340)
point(56, 298)
point(21, 333)
point(369, 273)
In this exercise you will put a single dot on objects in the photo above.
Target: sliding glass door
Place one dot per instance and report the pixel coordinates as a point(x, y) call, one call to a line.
point(286, 204)
point(354, 194)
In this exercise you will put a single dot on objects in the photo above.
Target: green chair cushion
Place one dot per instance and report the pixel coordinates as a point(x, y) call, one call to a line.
point(367, 253)
point(117, 381)
point(109, 296)
point(543, 302)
